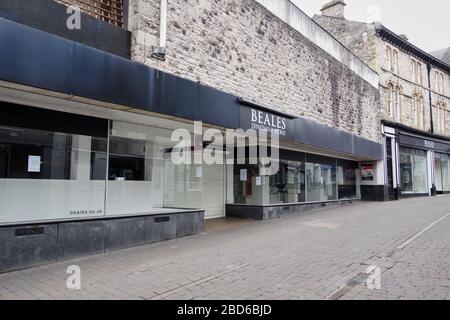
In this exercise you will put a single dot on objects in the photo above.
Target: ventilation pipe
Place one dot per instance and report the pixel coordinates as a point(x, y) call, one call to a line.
point(160, 52)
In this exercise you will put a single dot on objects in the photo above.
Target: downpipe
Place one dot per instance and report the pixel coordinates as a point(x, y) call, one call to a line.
point(160, 52)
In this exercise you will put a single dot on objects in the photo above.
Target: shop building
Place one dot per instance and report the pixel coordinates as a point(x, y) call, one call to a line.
point(415, 100)
point(87, 117)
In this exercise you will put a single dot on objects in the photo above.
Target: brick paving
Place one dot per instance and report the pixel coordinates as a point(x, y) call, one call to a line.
point(323, 254)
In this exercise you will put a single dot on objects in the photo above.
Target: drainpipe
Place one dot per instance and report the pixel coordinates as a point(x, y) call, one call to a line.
point(433, 178)
point(160, 52)
point(431, 100)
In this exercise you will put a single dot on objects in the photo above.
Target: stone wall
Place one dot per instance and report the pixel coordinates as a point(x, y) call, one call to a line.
point(239, 47)
point(358, 37)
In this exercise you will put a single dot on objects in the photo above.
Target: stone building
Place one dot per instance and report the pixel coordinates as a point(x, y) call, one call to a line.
point(415, 102)
point(90, 101)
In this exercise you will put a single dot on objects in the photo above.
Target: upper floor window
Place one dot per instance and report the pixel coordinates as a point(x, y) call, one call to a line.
point(397, 106)
point(391, 56)
point(388, 57)
point(441, 118)
point(419, 111)
point(416, 71)
point(394, 61)
point(438, 81)
point(110, 11)
point(390, 101)
point(394, 103)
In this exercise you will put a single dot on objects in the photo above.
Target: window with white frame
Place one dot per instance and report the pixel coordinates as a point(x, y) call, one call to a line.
point(419, 72)
point(438, 80)
point(415, 110)
point(394, 61)
point(416, 71)
point(391, 56)
point(390, 101)
point(388, 56)
point(397, 109)
point(435, 81)
point(422, 113)
point(441, 117)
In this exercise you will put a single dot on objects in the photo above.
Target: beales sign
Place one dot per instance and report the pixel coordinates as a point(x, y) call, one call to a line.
point(252, 118)
point(264, 121)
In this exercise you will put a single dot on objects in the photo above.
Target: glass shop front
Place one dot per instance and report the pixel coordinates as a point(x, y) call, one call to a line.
point(413, 171)
point(442, 172)
point(302, 178)
point(49, 173)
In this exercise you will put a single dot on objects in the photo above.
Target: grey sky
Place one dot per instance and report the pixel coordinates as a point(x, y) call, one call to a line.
point(426, 23)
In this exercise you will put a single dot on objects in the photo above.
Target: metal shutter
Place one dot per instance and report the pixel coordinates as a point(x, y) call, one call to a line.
point(214, 191)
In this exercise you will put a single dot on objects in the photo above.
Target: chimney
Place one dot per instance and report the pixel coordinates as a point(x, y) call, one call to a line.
point(404, 37)
point(335, 8)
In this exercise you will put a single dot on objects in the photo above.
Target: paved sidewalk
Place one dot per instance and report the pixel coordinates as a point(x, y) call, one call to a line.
point(323, 254)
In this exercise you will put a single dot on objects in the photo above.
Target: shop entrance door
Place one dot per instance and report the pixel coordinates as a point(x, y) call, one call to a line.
point(390, 171)
point(438, 174)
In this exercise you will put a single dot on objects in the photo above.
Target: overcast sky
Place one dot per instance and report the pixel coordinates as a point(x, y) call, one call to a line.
point(426, 23)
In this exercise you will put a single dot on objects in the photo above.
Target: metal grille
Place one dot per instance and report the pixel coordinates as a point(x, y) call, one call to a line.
point(110, 11)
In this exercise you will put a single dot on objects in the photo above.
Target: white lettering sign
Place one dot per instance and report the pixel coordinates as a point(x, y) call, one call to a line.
point(270, 122)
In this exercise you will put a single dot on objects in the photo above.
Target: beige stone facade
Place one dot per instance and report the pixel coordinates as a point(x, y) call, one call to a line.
point(401, 75)
point(242, 48)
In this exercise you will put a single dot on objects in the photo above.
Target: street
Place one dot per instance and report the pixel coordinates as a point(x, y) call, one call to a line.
point(324, 254)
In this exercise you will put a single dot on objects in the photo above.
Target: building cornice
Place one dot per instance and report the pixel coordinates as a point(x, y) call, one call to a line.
point(408, 47)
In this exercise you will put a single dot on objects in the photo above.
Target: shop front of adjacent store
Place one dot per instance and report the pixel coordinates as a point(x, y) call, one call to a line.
point(420, 162)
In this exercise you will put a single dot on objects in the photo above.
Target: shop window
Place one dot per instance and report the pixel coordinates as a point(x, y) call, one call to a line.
point(442, 172)
point(127, 160)
point(288, 185)
point(316, 179)
point(320, 179)
point(142, 177)
point(59, 175)
point(445, 172)
point(249, 187)
point(348, 180)
point(413, 171)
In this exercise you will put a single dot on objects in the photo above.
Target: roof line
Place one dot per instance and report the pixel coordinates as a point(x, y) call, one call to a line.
point(406, 45)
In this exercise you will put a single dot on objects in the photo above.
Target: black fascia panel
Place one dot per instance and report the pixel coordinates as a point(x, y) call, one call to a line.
point(105, 77)
point(32, 57)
